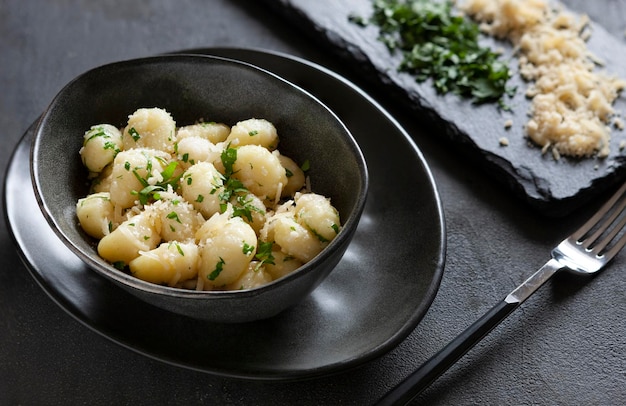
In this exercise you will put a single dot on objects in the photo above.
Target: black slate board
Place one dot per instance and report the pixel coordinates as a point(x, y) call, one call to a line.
point(552, 187)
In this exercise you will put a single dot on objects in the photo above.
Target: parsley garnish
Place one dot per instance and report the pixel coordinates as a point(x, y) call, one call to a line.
point(247, 248)
point(219, 267)
point(133, 133)
point(264, 254)
point(320, 237)
point(242, 206)
point(228, 157)
point(150, 192)
point(439, 45)
point(232, 186)
point(96, 132)
point(111, 145)
point(174, 216)
point(119, 265)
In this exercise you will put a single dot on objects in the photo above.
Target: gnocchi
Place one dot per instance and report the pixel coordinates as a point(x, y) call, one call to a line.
point(100, 145)
point(254, 132)
point(203, 206)
point(260, 171)
point(150, 128)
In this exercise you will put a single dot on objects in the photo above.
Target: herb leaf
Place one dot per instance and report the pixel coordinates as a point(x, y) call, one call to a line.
point(219, 267)
point(228, 157)
point(264, 254)
point(439, 45)
point(151, 192)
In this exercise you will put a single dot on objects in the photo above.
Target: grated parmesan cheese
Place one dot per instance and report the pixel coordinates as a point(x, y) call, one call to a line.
point(571, 104)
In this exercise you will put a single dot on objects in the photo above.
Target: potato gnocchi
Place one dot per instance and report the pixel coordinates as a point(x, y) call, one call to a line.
point(204, 206)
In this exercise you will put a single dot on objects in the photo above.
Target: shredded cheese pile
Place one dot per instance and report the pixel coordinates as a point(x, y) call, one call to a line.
point(572, 105)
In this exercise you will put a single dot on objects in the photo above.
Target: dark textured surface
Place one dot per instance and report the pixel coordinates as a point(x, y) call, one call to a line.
point(552, 187)
point(565, 346)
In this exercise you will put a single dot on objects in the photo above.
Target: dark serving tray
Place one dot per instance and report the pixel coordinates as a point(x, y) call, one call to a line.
point(553, 187)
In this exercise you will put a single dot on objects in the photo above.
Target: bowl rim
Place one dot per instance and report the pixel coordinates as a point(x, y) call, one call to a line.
point(347, 230)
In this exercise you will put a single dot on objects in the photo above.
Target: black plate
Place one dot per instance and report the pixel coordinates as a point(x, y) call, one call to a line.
point(379, 292)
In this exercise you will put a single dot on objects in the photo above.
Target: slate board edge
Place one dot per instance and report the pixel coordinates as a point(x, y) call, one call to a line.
point(522, 184)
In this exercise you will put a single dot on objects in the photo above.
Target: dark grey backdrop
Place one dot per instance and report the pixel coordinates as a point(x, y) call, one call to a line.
point(564, 347)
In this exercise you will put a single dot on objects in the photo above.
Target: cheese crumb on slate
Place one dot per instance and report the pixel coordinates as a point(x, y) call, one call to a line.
point(572, 106)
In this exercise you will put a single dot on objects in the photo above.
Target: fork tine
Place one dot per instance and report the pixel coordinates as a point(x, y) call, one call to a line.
point(615, 248)
point(604, 225)
point(582, 232)
point(599, 247)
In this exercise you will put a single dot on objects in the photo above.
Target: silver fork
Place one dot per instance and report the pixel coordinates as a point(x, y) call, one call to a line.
point(586, 251)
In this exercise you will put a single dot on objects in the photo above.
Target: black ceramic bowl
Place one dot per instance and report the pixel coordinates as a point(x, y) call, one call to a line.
point(190, 87)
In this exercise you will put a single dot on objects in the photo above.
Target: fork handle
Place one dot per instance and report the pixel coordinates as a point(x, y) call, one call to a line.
point(440, 362)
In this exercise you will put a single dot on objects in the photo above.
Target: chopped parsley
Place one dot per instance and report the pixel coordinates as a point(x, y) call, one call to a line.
point(439, 45)
point(233, 188)
point(112, 146)
point(151, 192)
point(264, 254)
point(178, 248)
point(94, 133)
point(133, 133)
point(219, 267)
point(228, 157)
point(174, 216)
point(243, 207)
point(119, 265)
point(320, 237)
point(247, 248)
